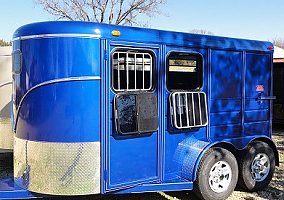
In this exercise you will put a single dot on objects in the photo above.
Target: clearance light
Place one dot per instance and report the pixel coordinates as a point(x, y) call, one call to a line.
point(115, 33)
point(270, 48)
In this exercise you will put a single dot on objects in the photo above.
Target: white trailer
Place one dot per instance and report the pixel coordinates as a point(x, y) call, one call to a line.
point(6, 133)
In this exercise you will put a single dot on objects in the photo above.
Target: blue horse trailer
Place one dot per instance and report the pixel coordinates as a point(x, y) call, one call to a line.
point(102, 109)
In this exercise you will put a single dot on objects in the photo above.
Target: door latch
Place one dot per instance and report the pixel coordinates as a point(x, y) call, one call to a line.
point(261, 98)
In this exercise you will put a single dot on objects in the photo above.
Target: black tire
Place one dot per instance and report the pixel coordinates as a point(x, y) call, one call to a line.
point(246, 176)
point(211, 158)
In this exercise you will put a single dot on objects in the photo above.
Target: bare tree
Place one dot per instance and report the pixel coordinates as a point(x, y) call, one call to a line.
point(201, 31)
point(278, 42)
point(124, 12)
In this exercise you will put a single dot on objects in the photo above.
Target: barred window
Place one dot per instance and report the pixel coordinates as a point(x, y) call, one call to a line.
point(132, 71)
point(188, 109)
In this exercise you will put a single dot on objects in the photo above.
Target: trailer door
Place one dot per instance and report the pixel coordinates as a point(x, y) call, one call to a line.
point(258, 94)
point(131, 140)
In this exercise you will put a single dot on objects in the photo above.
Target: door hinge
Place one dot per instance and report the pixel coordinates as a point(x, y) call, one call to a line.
point(106, 55)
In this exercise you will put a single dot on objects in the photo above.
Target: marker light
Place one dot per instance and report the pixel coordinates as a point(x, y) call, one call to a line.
point(115, 33)
point(270, 47)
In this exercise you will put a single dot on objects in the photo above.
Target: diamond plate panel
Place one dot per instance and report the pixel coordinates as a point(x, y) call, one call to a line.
point(187, 154)
point(57, 168)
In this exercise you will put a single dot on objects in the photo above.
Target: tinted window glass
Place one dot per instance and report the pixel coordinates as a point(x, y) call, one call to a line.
point(126, 114)
point(184, 71)
point(136, 113)
point(17, 61)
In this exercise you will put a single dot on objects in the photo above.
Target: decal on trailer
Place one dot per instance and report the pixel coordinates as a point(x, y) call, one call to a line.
point(260, 88)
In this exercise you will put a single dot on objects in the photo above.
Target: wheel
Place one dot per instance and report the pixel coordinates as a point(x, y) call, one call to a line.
point(217, 175)
point(256, 166)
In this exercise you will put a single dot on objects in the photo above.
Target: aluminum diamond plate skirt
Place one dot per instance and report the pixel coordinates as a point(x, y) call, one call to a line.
point(57, 168)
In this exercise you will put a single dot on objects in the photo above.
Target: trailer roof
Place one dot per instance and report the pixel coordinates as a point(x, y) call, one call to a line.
point(54, 28)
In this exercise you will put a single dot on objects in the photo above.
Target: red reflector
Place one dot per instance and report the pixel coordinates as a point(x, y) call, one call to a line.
point(270, 48)
point(260, 88)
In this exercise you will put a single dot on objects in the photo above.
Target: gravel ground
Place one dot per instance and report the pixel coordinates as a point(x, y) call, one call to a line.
point(275, 190)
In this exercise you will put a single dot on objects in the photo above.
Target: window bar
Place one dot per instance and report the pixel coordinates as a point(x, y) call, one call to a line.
point(193, 114)
point(199, 103)
point(118, 71)
point(206, 113)
point(127, 72)
point(187, 111)
point(150, 84)
point(179, 107)
point(143, 65)
point(135, 71)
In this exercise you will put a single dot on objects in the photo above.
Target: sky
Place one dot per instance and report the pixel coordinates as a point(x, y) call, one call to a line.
point(250, 19)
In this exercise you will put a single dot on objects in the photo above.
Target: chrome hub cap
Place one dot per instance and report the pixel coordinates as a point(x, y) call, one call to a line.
point(260, 167)
point(220, 176)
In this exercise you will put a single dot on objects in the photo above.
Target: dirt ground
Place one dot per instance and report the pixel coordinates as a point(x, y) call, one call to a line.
point(275, 190)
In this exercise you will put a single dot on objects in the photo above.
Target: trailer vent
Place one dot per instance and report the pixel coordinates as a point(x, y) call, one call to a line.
point(132, 71)
point(188, 109)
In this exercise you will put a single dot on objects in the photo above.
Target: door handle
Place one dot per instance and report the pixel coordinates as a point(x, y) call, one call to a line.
point(260, 98)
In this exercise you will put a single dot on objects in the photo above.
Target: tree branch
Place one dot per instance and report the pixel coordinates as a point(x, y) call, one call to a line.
point(111, 11)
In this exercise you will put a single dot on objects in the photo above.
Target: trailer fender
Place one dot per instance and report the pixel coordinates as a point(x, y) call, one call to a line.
point(187, 154)
point(273, 147)
point(242, 143)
